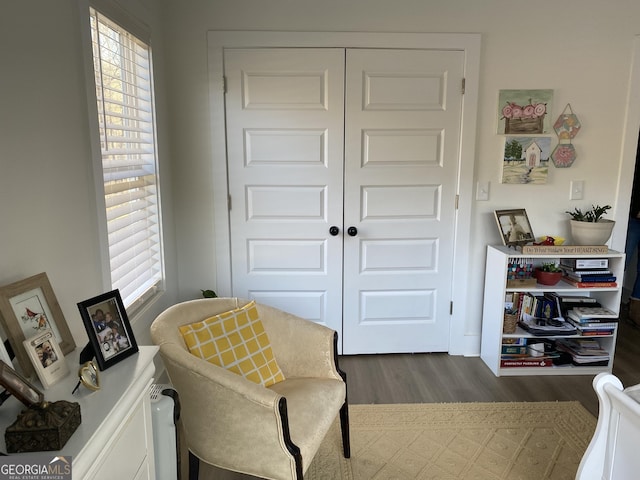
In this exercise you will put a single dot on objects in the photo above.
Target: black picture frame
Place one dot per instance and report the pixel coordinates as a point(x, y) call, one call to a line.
point(107, 324)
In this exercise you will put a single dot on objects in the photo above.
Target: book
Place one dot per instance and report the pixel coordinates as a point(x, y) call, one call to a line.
point(546, 327)
point(596, 333)
point(603, 329)
point(578, 299)
point(585, 263)
point(593, 312)
point(592, 322)
point(514, 350)
point(579, 284)
point(584, 351)
point(526, 362)
point(578, 271)
point(567, 302)
point(590, 278)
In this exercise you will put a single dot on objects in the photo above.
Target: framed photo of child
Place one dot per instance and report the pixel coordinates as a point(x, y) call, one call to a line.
point(47, 357)
point(107, 324)
point(514, 226)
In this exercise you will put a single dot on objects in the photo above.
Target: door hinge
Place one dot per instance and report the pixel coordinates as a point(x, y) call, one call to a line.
point(229, 202)
point(451, 308)
point(457, 201)
point(464, 84)
point(224, 84)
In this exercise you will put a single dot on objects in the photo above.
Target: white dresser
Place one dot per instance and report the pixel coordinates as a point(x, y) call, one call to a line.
point(115, 438)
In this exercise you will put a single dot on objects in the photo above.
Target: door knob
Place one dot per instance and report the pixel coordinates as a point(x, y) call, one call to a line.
point(352, 231)
point(333, 231)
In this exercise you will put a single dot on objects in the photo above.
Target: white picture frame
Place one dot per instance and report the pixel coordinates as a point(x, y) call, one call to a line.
point(46, 357)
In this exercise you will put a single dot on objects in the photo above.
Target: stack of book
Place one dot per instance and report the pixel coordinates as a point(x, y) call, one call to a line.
point(520, 354)
point(585, 352)
point(588, 272)
point(592, 320)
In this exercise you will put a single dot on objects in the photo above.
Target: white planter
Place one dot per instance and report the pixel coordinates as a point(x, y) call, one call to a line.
point(591, 233)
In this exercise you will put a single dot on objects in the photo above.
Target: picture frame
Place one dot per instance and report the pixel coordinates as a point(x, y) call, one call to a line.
point(514, 227)
point(20, 387)
point(47, 358)
point(107, 324)
point(28, 307)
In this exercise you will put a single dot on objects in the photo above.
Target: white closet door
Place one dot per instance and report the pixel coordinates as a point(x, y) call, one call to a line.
point(285, 140)
point(402, 136)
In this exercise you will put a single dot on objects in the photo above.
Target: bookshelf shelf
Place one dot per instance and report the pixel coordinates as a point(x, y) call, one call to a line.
point(497, 262)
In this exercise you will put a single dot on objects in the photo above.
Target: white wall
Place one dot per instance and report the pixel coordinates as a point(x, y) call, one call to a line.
point(47, 208)
point(582, 49)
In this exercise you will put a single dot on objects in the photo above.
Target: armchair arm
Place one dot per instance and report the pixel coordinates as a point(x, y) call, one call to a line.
point(301, 347)
point(225, 416)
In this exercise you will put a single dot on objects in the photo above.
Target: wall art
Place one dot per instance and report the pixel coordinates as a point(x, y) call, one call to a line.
point(524, 112)
point(526, 159)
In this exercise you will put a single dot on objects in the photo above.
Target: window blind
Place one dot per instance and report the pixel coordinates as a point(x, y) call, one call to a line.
point(124, 91)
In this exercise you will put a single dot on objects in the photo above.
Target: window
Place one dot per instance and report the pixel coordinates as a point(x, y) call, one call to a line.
point(124, 91)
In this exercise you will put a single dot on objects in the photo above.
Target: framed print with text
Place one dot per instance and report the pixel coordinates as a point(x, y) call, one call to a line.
point(27, 308)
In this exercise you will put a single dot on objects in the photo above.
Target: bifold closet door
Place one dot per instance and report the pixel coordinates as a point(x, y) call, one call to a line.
point(403, 120)
point(343, 202)
point(285, 138)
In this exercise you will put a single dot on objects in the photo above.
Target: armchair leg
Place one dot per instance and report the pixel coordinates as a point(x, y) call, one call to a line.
point(344, 426)
point(344, 410)
point(194, 466)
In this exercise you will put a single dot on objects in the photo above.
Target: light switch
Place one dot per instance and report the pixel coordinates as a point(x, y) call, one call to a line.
point(577, 190)
point(482, 191)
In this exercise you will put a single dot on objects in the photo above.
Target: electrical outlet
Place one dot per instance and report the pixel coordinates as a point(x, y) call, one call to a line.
point(577, 190)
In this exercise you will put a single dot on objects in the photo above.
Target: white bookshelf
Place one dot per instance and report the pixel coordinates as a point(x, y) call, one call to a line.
point(495, 289)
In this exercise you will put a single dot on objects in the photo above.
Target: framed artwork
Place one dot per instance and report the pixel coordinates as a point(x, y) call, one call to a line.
point(47, 358)
point(19, 387)
point(27, 308)
point(108, 328)
point(524, 112)
point(525, 160)
point(514, 226)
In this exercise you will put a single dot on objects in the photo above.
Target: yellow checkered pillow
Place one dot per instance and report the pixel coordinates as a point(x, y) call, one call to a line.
point(235, 340)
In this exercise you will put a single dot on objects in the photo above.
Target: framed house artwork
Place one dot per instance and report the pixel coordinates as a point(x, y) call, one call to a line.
point(526, 160)
point(524, 112)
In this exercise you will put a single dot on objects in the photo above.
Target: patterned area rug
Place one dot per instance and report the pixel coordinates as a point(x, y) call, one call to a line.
point(479, 441)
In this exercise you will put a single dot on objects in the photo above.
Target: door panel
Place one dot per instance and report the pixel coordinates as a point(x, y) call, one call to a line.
point(285, 141)
point(403, 111)
point(304, 154)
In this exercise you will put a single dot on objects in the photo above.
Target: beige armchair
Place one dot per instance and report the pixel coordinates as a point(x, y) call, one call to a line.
point(235, 424)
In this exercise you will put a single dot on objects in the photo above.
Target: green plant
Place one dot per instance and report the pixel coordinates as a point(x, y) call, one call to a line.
point(592, 215)
point(550, 267)
point(209, 294)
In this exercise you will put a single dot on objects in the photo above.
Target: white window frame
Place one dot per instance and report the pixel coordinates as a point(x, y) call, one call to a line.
point(133, 302)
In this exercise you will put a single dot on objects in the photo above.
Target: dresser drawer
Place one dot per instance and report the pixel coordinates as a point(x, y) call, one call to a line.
point(127, 454)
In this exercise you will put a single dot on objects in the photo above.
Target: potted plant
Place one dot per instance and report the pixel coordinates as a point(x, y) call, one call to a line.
point(588, 227)
point(548, 274)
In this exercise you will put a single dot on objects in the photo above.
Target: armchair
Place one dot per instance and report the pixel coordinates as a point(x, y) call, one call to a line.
point(613, 451)
point(239, 425)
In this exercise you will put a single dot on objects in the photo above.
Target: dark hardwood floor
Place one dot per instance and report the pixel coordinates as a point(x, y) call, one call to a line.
point(439, 377)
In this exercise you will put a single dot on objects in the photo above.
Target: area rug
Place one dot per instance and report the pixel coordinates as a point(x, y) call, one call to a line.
point(470, 441)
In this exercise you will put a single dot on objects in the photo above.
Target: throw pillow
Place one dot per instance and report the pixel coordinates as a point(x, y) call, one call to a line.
point(235, 340)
